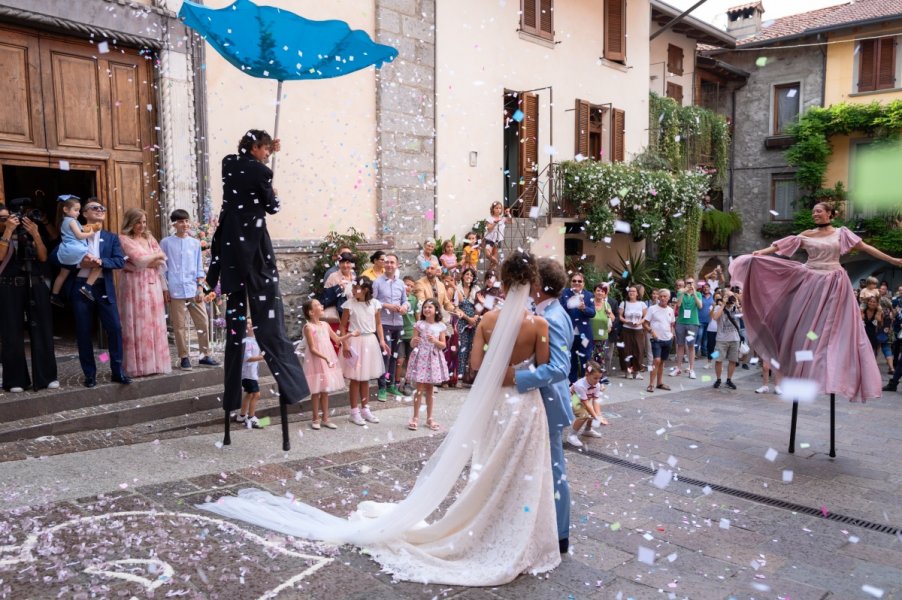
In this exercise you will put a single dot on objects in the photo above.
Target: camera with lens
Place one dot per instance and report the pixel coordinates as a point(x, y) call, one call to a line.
point(21, 208)
point(731, 300)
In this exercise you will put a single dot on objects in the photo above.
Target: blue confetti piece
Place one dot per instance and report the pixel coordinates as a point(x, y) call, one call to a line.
point(525, 509)
point(715, 354)
point(518, 116)
point(626, 274)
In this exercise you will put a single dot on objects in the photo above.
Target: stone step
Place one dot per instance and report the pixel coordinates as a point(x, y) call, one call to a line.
point(46, 402)
point(120, 413)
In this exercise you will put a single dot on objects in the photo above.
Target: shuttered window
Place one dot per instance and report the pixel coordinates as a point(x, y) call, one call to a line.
point(529, 151)
point(877, 64)
point(537, 17)
point(615, 30)
point(674, 60)
point(618, 135)
point(675, 91)
point(589, 130)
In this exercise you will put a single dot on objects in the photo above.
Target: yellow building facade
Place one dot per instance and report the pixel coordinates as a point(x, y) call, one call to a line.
point(847, 80)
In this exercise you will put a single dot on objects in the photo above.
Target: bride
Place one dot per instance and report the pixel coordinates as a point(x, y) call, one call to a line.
point(502, 523)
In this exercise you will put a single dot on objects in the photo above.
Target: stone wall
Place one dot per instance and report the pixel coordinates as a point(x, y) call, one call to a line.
point(753, 163)
point(405, 113)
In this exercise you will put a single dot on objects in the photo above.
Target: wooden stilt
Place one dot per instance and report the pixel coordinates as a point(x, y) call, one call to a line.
point(832, 425)
point(283, 412)
point(227, 440)
point(792, 426)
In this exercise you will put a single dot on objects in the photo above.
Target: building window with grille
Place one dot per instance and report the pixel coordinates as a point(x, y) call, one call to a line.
point(537, 18)
point(784, 197)
point(675, 91)
point(787, 101)
point(592, 121)
point(877, 64)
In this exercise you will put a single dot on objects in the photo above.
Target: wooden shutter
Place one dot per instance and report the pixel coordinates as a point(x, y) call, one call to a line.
point(618, 135)
point(529, 151)
point(529, 21)
point(583, 110)
point(867, 54)
point(674, 59)
point(675, 91)
point(615, 30)
point(886, 63)
point(546, 18)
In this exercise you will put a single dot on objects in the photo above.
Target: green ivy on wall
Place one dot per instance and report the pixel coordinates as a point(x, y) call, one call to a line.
point(720, 224)
point(687, 136)
point(810, 153)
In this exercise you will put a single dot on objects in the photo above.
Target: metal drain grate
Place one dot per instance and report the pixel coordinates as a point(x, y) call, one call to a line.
point(807, 510)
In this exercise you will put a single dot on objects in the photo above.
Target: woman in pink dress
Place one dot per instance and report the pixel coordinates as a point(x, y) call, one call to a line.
point(789, 307)
point(141, 308)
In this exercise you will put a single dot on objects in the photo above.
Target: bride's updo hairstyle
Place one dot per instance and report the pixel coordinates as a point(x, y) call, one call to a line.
point(518, 268)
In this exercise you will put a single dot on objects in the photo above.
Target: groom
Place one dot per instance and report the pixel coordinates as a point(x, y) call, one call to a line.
point(551, 380)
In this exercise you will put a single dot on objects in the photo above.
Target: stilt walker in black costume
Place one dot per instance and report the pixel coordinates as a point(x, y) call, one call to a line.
point(244, 265)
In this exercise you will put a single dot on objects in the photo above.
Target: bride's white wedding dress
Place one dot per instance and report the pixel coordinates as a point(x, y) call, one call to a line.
point(501, 525)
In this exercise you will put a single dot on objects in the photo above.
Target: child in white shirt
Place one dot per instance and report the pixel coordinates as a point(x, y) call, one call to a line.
point(588, 391)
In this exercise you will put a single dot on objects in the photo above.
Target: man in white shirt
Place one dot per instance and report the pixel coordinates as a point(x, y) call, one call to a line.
point(659, 323)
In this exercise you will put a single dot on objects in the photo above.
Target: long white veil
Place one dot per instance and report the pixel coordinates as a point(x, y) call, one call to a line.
point(374, 523)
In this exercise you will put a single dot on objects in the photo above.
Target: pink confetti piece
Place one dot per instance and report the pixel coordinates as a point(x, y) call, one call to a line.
point(104, 357)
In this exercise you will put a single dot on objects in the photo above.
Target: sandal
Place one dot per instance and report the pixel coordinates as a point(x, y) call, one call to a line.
point(664, 386)
point(650, 388)
point(412, 424)
point(432, 425)
point(314, 425)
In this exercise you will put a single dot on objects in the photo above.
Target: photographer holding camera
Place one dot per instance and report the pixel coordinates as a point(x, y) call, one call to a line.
point(25, 301)
point(728, 338)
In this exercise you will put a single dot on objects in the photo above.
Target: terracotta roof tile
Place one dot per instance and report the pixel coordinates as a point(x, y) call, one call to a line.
point(791, 25)
point(744, 6)
point(861, 10)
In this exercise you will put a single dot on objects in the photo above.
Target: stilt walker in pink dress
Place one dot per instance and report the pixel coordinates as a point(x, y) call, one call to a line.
point(790, 307)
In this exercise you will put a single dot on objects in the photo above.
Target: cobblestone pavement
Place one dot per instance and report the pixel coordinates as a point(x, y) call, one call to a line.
point(630, 538)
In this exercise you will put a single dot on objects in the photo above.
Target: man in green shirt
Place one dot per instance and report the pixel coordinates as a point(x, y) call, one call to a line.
point(688, 301)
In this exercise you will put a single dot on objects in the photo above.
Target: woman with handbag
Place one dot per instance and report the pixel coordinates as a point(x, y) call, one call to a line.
point(467, 292)
point(142, 309)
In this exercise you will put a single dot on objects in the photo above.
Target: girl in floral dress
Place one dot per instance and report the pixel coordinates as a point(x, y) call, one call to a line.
point(426, 366)
point(321, 363)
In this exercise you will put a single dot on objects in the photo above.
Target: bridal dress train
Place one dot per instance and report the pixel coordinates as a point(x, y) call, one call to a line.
point(784, 302)
point(501, 524)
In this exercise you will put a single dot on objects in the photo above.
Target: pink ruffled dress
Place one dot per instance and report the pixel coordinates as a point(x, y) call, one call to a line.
point(783, 301)
point(320, 376)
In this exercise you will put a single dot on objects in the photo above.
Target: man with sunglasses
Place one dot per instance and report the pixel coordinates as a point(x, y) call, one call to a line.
point(580, 306)
point(104, 250)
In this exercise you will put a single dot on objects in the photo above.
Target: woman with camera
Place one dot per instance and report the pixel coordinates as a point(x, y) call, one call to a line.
point(24, 302)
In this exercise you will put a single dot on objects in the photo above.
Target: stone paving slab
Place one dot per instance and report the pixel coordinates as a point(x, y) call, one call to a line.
point(764, 552)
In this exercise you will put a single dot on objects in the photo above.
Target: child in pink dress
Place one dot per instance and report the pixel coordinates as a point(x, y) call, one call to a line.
point(321, 363)
point(362, 353)
point(426, 365)
point(448, 259)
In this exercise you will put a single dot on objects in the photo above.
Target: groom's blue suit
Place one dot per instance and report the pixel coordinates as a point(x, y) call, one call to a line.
point(551, 381)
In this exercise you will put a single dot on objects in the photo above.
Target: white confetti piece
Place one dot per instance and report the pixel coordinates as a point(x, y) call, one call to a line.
point(103, 47)
point(803, 390)
point(672, 461)
point(661, 431)
point(64, 165)
point(672, 557)
point(707, 491)
point(761, 587)
point(853, 539)
point(622, 227)
point(787, 476)
point(724, 524)
point(872, 591)
point(646, 555)
point(774, 213)
point(771, 454)
point(662, 478)
point(804, 356)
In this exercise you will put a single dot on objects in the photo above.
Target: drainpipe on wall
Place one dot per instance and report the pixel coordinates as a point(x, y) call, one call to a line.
point(434, 123)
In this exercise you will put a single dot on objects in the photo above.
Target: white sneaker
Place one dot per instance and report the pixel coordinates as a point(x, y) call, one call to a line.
point(707, 365)
point(762, 390)
point(639, 376)
point(355, 418)
point(574, 441)
point(691, 373)
point(53, 385)
point(368, 416)
point(777, 390)
point(16, 390)
point(252, 423)
point(675, 372)
point(591, 433)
